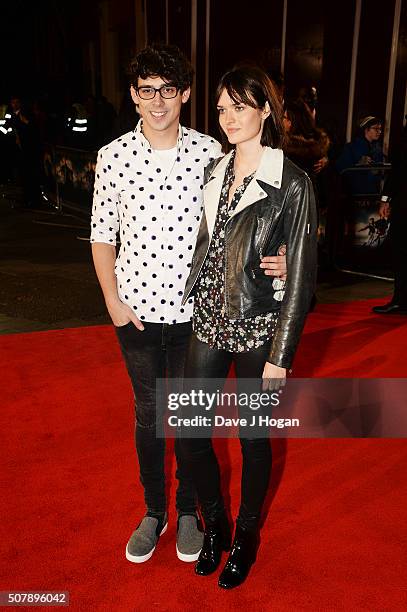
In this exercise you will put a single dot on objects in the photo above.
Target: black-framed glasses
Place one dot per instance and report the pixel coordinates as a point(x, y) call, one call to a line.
point(148, 92)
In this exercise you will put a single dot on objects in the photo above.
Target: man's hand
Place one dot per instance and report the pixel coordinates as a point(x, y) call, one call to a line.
point(276, 265)
point(274, 377)
point(122, 314)
point(104, 258)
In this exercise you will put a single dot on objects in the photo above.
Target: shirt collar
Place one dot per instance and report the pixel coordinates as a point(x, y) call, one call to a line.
point(138, 130)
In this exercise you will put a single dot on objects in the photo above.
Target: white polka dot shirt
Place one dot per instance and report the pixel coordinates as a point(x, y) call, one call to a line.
point(157, 215)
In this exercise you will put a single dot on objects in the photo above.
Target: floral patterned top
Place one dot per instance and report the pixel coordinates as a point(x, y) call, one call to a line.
point(210, 323)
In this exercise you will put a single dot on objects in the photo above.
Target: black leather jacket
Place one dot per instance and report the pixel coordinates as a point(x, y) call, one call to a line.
point(277, 207)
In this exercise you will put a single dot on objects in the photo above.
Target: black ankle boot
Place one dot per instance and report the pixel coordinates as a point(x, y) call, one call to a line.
point(217, 537)
point(241, 558)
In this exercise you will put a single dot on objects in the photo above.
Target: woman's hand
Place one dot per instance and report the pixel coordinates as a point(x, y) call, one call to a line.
point(274, 377)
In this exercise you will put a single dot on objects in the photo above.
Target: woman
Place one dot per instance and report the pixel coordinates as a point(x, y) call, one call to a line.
point(306, 145)
point(255, 200)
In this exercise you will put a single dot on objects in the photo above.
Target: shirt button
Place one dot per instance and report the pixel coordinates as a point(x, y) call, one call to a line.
point(276, 183)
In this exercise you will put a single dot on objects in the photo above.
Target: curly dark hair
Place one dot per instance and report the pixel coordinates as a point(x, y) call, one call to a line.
point(250, 85)
point(165, 61)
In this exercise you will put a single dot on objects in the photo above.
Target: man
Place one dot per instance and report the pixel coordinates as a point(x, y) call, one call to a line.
point(27, 151)
point(149, 186)
point(364, 150)
point(395, 191)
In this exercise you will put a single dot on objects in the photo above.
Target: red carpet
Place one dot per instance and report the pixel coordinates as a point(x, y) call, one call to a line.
point(335, 537)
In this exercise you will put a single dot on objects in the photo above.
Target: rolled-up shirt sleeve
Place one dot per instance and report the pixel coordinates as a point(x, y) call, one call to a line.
point(215, 150)
point(105, 216)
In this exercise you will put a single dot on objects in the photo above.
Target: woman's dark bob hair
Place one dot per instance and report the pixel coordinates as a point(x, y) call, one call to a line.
point(251, 86)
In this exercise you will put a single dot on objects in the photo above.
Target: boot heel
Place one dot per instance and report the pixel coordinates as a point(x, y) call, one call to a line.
point(241, 558)
point(217, 538)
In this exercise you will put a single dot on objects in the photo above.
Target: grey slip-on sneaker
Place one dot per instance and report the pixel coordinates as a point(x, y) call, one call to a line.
point(144, 539)
point(189, 537)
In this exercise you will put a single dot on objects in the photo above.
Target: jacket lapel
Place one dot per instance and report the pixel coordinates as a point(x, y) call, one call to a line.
point(252, 193)
point(270, 171)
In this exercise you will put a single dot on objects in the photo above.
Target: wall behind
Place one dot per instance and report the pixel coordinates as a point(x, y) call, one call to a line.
point(318, 51)
point(61, 46)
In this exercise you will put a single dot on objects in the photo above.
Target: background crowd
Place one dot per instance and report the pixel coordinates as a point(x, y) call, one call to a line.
point(30, 127)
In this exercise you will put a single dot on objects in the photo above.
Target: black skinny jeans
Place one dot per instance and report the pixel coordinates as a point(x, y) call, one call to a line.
point(157, 351)
point(204, 363)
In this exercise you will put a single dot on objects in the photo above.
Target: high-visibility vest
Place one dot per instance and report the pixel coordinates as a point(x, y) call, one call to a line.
point(79, 123)
point(5, 127)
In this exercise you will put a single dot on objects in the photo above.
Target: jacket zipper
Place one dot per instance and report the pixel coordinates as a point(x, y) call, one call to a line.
point(264, 242)
point(225, 306)
point(267, 236)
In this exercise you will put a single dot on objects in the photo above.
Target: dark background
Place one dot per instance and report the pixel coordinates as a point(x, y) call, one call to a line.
point(59, 51)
